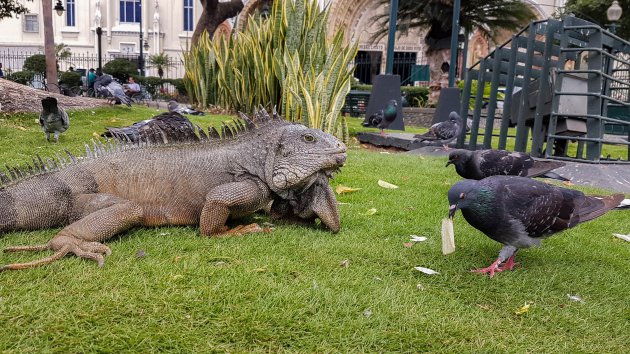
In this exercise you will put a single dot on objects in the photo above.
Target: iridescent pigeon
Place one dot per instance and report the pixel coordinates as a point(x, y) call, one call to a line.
point(519, 212)
point(383, 118)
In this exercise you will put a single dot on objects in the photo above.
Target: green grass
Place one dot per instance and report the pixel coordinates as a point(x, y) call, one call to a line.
point(286, 290)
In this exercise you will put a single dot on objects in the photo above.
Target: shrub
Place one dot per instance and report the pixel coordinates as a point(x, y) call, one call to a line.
point(286, 61)
point(70, 79)
point(416, 96)
point(22, 77)
point(179, 86)
point(121, 69)
point(36, 63)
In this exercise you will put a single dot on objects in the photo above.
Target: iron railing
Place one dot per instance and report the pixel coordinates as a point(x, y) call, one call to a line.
point(565, 81)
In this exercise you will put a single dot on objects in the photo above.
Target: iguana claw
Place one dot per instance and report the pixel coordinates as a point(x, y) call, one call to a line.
point(87, 250)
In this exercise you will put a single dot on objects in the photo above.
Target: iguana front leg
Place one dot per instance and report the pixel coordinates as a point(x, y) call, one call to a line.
point(233, 199)
point(100, 217)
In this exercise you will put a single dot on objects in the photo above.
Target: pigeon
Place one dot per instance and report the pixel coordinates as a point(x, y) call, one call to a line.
point(518, 212)
point(383, 118)
point(53, 119)
point(444, 132)
point(108, 87)
point(173, 106)
point(163, 128)
point(480, 164)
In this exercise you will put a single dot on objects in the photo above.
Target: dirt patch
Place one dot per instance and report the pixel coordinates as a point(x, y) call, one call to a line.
point(17, 98)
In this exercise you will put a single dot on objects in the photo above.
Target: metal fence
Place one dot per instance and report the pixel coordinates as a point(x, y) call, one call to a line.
point(367, 64)
point(13, 61)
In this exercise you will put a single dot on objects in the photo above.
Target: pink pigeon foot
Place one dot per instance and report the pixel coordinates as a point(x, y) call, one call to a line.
point(509, 264)
point(491, 269)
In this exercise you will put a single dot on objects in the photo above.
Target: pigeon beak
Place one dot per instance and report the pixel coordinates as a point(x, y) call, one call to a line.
point(448, 163)
point(451, 210)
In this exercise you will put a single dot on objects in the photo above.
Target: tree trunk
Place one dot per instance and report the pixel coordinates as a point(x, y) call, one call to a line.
point(214, 13)
point(439, 72)
point(49, 47)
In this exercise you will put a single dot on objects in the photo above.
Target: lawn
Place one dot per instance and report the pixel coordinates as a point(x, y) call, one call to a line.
point(303, 289)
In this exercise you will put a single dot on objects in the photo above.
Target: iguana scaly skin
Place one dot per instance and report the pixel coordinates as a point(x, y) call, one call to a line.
point(121, 185)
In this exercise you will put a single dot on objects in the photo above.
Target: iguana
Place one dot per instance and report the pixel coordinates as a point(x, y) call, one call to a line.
point(120, 185)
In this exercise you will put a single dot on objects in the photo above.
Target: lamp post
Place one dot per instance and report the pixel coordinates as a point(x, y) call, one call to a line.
point(391, 37)
point(99, 33)
point(613, 14)
point(141, 57)
point(454, 43)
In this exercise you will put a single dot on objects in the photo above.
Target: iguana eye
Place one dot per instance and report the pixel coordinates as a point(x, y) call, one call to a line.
point(309, 138)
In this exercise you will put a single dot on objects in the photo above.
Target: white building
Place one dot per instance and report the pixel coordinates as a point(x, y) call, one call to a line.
point(168, 26)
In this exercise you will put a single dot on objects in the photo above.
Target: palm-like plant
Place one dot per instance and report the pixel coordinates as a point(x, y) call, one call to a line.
point(160, 61)
point(488, 16)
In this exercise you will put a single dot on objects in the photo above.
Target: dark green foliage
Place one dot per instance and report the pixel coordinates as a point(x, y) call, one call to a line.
point(488, 16)
point(151, 83)
point(36, 63)
point(416, 96)
point(121, 69)
point(70, 78)
point(21, 77)
point(179, 85)
point(595, 11)
point(8, 8)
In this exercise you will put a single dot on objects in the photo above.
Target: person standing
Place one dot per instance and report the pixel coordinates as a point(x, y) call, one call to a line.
point(1, 72)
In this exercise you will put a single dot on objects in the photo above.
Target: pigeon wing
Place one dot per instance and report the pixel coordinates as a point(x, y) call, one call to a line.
point(500, 162)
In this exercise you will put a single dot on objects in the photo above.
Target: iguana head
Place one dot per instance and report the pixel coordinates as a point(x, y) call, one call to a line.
point(301, 155)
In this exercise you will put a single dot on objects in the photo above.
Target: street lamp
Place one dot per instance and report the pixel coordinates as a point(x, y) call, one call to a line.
point(141, 56)
point(613, 14)
point(59, 8)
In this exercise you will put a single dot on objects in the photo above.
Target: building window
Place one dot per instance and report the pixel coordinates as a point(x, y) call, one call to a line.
point(30, 23)
point(188, 15)
point(70, 13)
point(130, 11)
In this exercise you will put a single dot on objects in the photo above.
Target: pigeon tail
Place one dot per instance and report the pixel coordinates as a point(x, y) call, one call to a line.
point(591, 207)
point(542, 168)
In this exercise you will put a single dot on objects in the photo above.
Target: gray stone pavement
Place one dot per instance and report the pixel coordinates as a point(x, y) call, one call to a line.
point(612, 177)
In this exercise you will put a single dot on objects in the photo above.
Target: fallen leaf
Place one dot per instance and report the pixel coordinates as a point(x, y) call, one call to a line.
point(370, 211)
point(575, 298)
point(341, 189)
point(177, 276)
point(96, 135)
point(19, 127)
point(420, 287)
point(177, 258)
point(384, 152)
point(367, 312)
point(260, 270)
point(141, 254)
point(426, 270)
point(345, 263)
point(416, 238)
point(523, 310)
point(623, 237)
point(568, 183)
point(408, 244)
point(268, 229)
point(386, 184)
point(484, 307)
point(405, 178)
point(378, 278)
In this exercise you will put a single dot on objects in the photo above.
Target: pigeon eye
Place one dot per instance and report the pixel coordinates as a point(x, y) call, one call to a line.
point(462, 195)
point(309, 138)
